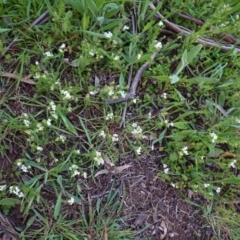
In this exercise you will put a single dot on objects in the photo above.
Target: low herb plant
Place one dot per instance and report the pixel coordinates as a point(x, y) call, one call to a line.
point(62, 128)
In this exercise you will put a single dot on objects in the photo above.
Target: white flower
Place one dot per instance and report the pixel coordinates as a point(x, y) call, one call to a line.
point(37, 76)
point(26, 122)
point(37, 63)
point(138, 150)
point(184, 151)
point(115, 137)
point(166, 170)
point(214, 137)
point(111, 92)
point(206, 185)
point(164, 95)
point(2, 187)
point(109, 116)
point(39, 127)
point(24, 168)
point(122, 93)
point(232, 164)
point(108, 34)
point(174, 185)
point(91, 52)
point(102, 134)
point(160, 23)
point(98, 158)
point(136, 129)
point(39, 148)
point(52, 106)
point(139, 56)
point(73, 167)
point(134, 100)
point(63, 46)
point(62, 138)
point(238, 120)
point(116, 58)
point(48, 54)
point(75, 173)
point(169, 124)
point(15, 190)
point(158, 45)
point(77, 151)
point(125, 27)
point(66, 94)
point(71, 201)
point(85, 175)
point(218, 190)
point(49, 122)
point(149, 115)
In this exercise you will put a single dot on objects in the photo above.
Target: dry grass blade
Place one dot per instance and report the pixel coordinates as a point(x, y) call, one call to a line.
point(25, 79)
point(6, 226)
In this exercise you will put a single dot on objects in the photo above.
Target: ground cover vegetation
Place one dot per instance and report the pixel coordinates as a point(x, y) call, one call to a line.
point(87, 83)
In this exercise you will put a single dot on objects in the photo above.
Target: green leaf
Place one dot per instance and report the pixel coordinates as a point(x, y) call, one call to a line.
point(193, 53)
point(66, 122)
point(174, 78)
point(57, 206)
point(92, 7)
point(229, 180)
point(2, 30)
point(9, 201)
point(181, 125)
point(160, 138)
point(147, 26)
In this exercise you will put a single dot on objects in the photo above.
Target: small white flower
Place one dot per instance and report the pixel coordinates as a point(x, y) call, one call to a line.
point(160, 23)
point(206, 185)
point(102, 134)
point(63, 46)
point(91, 52)
point(39, 148)
point(125, 27)
point(164, 95)
point(166, 170)
point(85, 175)
point(49, 122)
point(71, 201)
point(116, 58)
point(24, 168)
point(136, 129)
point(115, 137)
point(218, 190)
point(26, 122)
point(15, 190)
point(184, 151)
point(214, 137)
point(122, 93)
point(108, 34)
point(174, 185)
point(98, 158)
point(139, 56)
point(52, 106)
point(62, 138)
point(66, 94)
point(158, 45)
point(111, 92)
point(138, 150)
point(73, 167)
point(2, 187)
point(134, 100)
point(48, 54)
point(232, 163)
point(150, 115)
point(39, 127)
point(75, 173)
point(109, 116)
point(37, 63)
point(77, 151)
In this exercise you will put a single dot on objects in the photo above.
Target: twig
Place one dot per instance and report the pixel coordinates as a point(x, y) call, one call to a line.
point(132, 92)
point(134, 32)
point(186, 32)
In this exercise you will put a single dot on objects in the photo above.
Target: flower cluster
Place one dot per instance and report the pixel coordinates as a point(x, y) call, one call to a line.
point(168, 124)
point(158, 45)
point(109, 116)
point(232, 163)
point(48, 54)
point(184, 151)
point(74, 170)
point(108, 35)
point(23, 167)
point(115, 138)
point(165, 168)
point(15, 190)
point(139, 150)
point(98, 158)
point(62, 48)
point(102, 134)
point(214, 137)
point(2, 187)
point(137, 130)
point(71, 201)
point(66, 95)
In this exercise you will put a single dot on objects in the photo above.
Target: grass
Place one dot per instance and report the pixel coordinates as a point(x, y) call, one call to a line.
point(62, 129)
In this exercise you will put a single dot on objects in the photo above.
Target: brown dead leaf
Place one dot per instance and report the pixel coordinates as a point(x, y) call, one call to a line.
point(113, 170)
point(164, 229)
point(140, 219)
point(25, 79)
